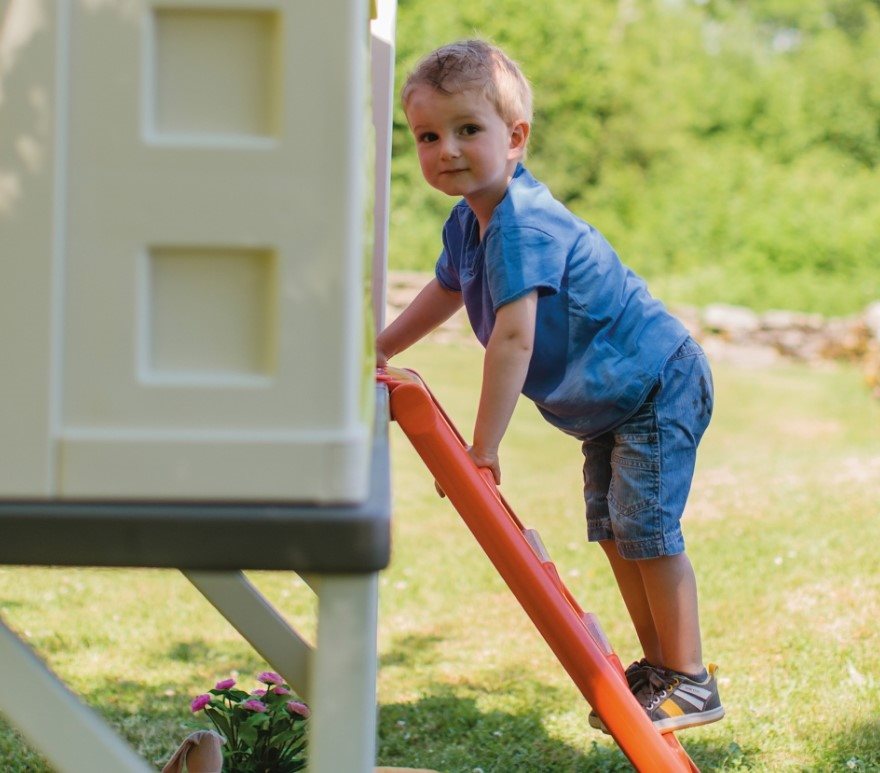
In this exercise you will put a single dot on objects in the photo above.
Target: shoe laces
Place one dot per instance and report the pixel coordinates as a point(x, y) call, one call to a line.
point(658, 684)
point(635, 674)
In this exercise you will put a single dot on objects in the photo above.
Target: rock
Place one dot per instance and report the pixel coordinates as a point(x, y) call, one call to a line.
point(689, 316)
point(871, 367)
point(871, 318)
point(777, 319)
point(844, 338)
point(735, 322)
point(742, 354)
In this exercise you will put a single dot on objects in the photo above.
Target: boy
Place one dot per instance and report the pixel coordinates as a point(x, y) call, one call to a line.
point(567, 324)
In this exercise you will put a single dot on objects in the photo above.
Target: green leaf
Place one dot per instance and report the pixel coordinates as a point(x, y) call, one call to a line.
point(256, 719)
point(300, 747)
point(220, 721)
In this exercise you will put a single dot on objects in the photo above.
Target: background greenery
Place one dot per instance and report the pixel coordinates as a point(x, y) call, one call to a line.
point(728, 149)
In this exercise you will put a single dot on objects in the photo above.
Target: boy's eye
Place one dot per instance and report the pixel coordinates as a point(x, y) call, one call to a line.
point(470, 128)
point(427, 137)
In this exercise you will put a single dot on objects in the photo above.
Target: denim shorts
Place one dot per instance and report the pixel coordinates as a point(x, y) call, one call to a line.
point(637, 476)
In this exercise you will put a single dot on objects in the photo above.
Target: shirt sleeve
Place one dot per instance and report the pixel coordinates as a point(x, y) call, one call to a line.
point(522, 259)
point(446, 268)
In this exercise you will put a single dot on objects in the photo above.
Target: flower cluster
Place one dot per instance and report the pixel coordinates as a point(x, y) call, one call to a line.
point(264, 729)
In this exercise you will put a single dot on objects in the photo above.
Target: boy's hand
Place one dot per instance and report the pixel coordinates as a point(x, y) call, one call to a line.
point(484, 461)
point(488, 460)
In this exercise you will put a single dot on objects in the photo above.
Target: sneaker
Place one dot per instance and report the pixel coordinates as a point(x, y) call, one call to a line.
point(636, 674)
point(673, 701)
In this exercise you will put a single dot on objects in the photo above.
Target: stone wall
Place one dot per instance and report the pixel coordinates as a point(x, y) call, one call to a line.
point(736, 332)
point(729, 333)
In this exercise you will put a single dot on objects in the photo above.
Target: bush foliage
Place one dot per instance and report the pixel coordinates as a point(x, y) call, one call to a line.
point(729, 150)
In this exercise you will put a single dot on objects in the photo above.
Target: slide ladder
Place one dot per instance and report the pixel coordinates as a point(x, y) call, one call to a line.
point(518, 554)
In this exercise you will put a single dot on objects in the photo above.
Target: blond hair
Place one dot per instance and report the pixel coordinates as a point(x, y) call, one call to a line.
point(475, 64)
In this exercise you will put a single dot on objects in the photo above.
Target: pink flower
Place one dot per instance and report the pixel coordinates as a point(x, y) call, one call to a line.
point(199, 702)
point(280, 691)
point(255, 705)
point(295, 707)
point(259, 691)
point(225, 684)
point(270, 677)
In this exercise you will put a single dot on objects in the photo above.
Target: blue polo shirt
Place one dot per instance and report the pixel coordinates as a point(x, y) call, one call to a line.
point(601, 339)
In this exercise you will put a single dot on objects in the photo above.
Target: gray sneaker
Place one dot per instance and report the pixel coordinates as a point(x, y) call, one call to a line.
point(673, 701)
point(636, 674)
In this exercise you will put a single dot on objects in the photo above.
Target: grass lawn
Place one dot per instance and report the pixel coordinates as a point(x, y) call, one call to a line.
point(782, 528)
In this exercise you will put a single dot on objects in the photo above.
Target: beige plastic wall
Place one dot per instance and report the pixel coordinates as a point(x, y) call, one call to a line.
point(182, 208)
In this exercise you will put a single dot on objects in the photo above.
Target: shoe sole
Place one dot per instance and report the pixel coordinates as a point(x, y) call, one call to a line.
point(671, 724)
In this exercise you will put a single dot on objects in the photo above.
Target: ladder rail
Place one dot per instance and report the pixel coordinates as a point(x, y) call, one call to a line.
point(574, 637)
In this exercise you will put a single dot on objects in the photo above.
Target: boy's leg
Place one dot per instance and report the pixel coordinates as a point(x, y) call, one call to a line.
point(632, 589)
point(670, 588)
point(652, 463)
point(636, 481)
point(597, 481)
point(661, 597)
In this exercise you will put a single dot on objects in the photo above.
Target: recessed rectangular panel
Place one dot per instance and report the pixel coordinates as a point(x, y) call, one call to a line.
point(215, 72)
point(209, 313)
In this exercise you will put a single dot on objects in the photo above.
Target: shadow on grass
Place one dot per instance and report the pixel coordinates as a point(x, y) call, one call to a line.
point(447, 731)
point(217, 659)
point(857, 749)
point(451, 734)
point(153, 717)
point(412, 650)
point(417, 651)
point(15, 755)
point(151, 721)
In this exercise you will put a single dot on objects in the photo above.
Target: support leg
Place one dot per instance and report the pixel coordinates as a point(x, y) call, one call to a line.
point(259, 623)
point(343, 724)
point(72, 737)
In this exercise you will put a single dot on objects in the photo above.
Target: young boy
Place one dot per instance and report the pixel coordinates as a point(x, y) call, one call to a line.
point(567, 324)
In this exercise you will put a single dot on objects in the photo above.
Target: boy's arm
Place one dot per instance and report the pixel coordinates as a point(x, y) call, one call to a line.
point(505, 364)
point(432, 306)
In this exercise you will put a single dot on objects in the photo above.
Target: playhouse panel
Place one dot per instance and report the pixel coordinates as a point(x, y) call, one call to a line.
point(205, 278)
point(28, 248)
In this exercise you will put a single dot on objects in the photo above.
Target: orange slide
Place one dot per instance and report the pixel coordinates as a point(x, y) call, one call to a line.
point(520, 558)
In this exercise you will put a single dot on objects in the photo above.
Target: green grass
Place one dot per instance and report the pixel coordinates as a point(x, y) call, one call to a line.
point(782, 529)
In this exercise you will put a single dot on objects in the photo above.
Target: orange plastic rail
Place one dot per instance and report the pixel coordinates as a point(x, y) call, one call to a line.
point(574, 637)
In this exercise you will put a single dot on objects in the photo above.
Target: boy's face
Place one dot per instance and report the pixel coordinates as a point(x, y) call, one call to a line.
point(465, 148)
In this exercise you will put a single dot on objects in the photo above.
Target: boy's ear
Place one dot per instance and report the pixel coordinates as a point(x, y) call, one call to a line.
point(519, 137)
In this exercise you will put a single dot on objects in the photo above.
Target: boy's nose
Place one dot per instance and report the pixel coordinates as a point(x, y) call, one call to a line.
point(449, 149)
